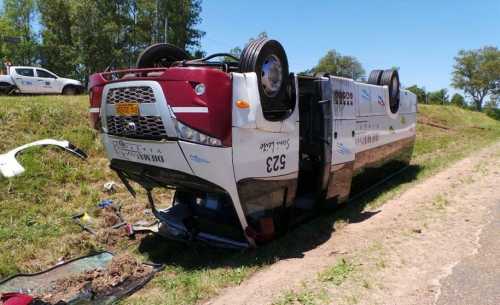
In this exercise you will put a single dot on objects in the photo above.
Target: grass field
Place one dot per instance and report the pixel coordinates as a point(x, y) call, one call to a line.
point(36, 229)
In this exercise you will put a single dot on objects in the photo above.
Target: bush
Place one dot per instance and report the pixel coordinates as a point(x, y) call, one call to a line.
point(493, 113)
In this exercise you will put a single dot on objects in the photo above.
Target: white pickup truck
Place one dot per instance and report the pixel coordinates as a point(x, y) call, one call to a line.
point(35, 80)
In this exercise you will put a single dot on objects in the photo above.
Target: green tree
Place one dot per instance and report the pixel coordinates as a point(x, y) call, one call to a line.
point(491, 107)
point(8, 36)
point(103, 34)
point(440, 97)
point(173, 21)
point(419, 92)
point(458, 100)
point(80, 37)
point(112, 33)
point(336, 64)
point(17, 21)
point(59, 51)
point(236, 51)
point(477, 73)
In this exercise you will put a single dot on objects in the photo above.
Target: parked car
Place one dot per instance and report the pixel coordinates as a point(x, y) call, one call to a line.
point(250, 148)
point(35, 80)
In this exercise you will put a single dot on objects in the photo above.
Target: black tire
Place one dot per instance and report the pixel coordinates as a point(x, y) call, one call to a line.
point(161, 55)
point(5, 88)
point(70, 90)
point(277, 103)
point(375, 77)
point(390, 78)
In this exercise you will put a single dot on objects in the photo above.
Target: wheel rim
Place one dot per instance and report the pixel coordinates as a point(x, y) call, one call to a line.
point(271, 75)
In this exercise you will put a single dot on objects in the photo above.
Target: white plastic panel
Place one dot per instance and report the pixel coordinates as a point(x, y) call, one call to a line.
point(243, 90)
point(245, 87)
point(259, 154)
point(214, 164)
point(343, 147)
point(371, 100)
point(165, 154)
point(364, 100)
point(261, 148)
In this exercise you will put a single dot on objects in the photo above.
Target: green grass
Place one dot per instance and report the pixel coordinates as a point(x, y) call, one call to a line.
point(305, 296)
point(338, 273)
point(35, 208)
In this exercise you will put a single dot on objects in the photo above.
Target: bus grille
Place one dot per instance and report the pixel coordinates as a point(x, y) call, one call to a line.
point(140, 127)
point(141, 95)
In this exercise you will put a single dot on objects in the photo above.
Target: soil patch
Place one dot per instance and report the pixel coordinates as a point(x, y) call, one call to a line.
point(429, 122)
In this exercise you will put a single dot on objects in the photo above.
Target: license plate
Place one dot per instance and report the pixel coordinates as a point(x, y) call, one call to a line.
point(148, 153)
point(127, 109)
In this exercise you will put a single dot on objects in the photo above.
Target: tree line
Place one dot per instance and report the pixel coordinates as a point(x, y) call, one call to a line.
point(476, 73)
point(76, 38)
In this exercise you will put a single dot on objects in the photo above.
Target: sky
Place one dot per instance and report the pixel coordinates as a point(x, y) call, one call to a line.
point(422, 37)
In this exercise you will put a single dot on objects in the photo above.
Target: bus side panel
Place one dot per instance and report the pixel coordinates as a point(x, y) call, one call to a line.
point(339, 186)
point(344, 99)
point(384, 143)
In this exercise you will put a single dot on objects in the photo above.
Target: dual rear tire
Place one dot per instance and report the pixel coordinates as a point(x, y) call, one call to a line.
point(267, 58)
point(389, 78)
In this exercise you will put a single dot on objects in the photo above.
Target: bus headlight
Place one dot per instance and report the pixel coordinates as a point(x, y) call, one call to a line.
point(187, 133)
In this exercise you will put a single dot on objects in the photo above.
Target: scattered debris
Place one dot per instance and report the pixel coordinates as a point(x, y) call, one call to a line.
point(110, 237)
point(110, 187)
point(9, 167)
point(108, 226)
point(145, 227)
point(98, 282)
point(85, 221)
point(101, 278)
point(105, 203)
point(111, 216)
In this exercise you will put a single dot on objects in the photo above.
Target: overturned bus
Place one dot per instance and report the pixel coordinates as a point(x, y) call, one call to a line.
point(249, 148)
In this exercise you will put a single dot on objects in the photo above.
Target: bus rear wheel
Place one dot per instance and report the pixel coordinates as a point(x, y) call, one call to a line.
point(161, 55)
point(267, 58)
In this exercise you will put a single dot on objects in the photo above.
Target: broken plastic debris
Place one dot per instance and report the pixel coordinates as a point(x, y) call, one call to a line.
point(105, 203)
point(9, 167)
point(110, 187)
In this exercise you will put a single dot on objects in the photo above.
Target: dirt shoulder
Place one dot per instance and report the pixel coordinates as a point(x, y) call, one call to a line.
point(401, 255)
